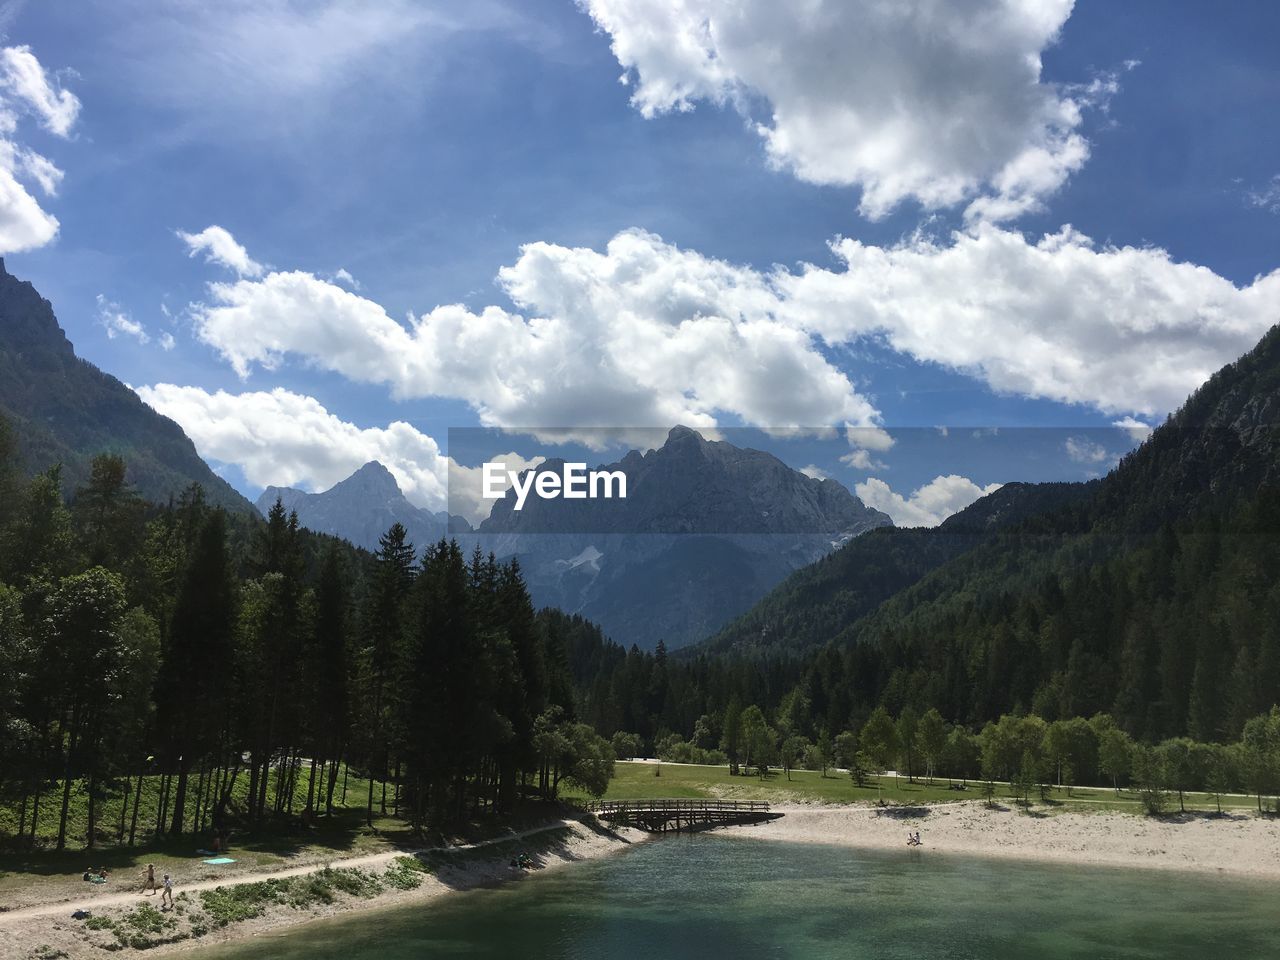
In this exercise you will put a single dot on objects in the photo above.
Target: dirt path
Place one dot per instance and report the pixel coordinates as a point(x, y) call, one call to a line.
point(70, 905)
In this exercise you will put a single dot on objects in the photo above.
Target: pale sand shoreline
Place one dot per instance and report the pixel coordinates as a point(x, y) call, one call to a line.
point(25, 931)
point(1239, 845)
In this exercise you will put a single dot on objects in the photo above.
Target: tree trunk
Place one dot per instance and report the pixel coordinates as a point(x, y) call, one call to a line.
point(66, 780)
point(124, 808)
point(180, 796)
point(137, 802)
point(35, 813)
point(91, 832)
point(253, 789)
point(201, 778)
point(261, 799)
point(333, 782)
point(311, 787)
point(162, 803)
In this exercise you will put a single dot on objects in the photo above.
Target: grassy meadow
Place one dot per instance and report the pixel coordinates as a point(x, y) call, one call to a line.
point(635, 780)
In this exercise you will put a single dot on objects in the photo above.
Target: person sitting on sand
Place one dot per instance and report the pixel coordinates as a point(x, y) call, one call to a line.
point(149, 882)
point(88, 874)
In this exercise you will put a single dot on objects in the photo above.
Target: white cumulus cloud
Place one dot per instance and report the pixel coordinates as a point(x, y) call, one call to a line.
point(642, 334)
point(1125, 330)
point(466, 484)
point(862, 460)
point(26, 89)
point(118, 322)
point(927, 506)
point(220, 247)
point(1084, 450)
point(282, 438)
point(1136, 429)
point(941, 103)
point(645, 333)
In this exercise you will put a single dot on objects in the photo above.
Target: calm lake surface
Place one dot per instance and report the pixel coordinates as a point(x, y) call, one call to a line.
point(706, 896)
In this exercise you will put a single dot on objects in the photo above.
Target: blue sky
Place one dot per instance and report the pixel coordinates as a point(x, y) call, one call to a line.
point(419, 147)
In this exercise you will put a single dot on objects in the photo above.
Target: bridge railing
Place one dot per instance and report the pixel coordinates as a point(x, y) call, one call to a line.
point(607, 808)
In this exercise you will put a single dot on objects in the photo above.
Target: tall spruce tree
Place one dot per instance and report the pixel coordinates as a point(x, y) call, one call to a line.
point(194, 691)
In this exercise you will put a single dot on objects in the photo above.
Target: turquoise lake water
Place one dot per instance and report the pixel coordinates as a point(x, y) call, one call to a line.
point(707, 897)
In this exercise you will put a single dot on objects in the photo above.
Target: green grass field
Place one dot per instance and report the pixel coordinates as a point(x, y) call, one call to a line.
point(637, 780)
point(343, 834)
point(112, 804)
point(42, 872)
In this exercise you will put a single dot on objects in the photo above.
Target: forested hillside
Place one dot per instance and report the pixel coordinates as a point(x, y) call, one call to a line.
point(1154, 599)
point(1146, 602)
point(819, 601)
point(66, 411)
point(237, 666)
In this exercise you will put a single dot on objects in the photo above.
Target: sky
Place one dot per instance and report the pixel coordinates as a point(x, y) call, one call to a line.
point(320, 232)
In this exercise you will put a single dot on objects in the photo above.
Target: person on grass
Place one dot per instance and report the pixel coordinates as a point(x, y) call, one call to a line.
point(149, 882)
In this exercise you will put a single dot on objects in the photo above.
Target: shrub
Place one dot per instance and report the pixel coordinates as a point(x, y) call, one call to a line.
point(244, 901)
point(406, 873)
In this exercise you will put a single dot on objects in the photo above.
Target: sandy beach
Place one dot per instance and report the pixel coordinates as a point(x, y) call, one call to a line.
point(1238, 844)
point(47, 930)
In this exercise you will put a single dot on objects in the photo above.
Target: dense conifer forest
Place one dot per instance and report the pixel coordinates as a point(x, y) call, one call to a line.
point(1145, 603)
point(1126, 630)
point(241, 667)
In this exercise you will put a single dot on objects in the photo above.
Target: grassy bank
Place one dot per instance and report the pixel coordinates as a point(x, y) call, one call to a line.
point(209, 911)
point(639, 780)
point(117, 798)
point(42, 874)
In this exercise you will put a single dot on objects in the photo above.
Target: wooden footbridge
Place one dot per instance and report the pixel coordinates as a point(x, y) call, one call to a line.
point(659, 816)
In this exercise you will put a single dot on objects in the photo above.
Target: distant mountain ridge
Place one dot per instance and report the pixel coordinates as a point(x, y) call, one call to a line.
point(706, 530)
point(361, 508)
point(65, 410)
point(699, 486)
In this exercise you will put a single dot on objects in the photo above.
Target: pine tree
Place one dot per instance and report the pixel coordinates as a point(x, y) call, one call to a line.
point(385, 652)
point(109, 513)
point(197, 679)
point(81, 627)
point(331, 660)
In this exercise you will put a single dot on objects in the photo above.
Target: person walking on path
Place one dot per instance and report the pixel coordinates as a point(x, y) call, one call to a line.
point(150, 882)
point(167, 896)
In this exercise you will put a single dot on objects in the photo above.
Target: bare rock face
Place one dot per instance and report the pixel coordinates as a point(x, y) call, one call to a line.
point(691, 485)
point(707, 528)
point(361, 508)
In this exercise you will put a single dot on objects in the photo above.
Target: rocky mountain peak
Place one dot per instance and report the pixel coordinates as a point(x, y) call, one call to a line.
point(371, 480)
